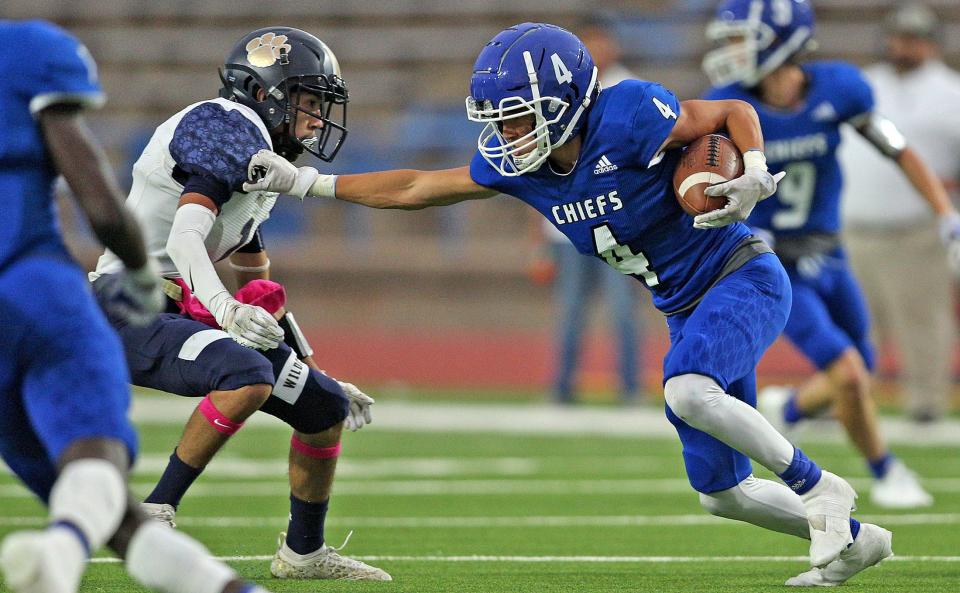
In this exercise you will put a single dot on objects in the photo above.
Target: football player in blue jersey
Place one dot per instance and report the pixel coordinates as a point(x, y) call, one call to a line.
point(801, 105)
point(241, 352)
point(598, 163)
point(64, 390)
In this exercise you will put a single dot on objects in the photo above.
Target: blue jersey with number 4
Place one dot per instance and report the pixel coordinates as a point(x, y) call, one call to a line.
point(803, 142)
point(618, 202)
point(45, 66)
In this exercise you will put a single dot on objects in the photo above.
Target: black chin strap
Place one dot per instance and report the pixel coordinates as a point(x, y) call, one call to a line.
point(287, 147)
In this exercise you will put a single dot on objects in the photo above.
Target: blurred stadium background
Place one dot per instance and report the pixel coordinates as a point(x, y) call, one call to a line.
point(412, 301)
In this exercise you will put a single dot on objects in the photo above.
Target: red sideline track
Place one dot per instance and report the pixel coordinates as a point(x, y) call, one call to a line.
point(493, 359)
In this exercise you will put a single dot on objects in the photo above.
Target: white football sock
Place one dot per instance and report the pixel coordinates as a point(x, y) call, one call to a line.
point(90, 494)
point(171, 562)
point(702, 404)
point(765, 503)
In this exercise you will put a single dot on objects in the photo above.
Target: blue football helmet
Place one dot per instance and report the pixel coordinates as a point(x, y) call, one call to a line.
point(758, 36)
point(530, 69)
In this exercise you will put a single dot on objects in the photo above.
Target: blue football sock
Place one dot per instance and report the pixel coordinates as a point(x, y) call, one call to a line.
point(305, 530)
point(880, 466)
point(854, 528)
point(802, 474)
point(792, 414)
point(174, 482)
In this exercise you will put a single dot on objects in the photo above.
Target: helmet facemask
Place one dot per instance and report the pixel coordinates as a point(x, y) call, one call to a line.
point(528, 152)
point(331, 92)
point(749, 49)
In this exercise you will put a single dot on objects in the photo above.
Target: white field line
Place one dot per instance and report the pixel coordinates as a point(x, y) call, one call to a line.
point(504, 522)
point(410, 467)
point(577, 559)
point(542, 419)
point(469, 487)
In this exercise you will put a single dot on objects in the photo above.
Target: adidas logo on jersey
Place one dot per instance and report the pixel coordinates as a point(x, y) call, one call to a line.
point(824, 112)
point(604, 166)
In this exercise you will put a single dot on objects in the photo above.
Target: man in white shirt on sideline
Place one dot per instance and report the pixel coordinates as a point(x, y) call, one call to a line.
point(890, 233)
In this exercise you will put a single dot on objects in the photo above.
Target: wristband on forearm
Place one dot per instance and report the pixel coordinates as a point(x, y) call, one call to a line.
point(293, 336)
point(754, 159)
point(324, 186)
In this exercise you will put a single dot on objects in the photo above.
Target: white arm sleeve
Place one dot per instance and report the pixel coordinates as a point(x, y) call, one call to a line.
point(186, 248)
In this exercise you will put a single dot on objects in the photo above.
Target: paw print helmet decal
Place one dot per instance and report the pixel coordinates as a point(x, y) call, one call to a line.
point(282, 62)
point(264, 51)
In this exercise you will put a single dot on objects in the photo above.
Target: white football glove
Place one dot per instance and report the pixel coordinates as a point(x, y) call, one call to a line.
point(360, 403)
point(950, 235)
point(132, 295)
point(268, 171)
point(742, 195)
point(250, 326)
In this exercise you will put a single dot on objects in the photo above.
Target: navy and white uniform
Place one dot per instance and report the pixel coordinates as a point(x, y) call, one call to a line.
point(206, 148)
point(725, 295)
point(829, 311)
point(62, 376)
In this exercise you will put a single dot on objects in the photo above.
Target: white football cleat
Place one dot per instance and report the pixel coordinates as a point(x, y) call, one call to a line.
point(873, 545)
point(771, 402)
point(325, 563)
point(899, 489)
point(162, 512)
point(828, 506)
point(50, 561)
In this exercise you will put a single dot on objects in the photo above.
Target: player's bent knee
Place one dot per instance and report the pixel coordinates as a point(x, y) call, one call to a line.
point(849, 374)
point(226, 411)
point(255, 395)
point(319, 405)
point(687, 395)
point(724, 503)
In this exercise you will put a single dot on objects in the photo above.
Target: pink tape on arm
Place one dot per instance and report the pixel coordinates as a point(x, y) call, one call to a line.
point(315, 452)
point(217, 420)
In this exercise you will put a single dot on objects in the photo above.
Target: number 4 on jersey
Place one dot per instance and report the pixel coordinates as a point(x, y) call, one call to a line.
point(621, 257)
point(665, 110)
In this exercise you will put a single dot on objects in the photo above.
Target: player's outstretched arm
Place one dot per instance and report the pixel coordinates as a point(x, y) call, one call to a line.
point(404, 189)
point(407, 189)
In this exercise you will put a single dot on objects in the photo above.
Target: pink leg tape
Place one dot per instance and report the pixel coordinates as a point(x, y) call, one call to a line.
point(315, 452)
point(217, 420)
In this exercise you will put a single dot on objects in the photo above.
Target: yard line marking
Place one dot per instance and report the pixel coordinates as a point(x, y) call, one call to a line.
point(487, 522)
point(453, 487)
point(239, 467)
point(581, 559)
point(543, 419)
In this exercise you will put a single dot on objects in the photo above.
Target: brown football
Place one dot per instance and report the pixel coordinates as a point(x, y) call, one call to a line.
point(706, 161)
